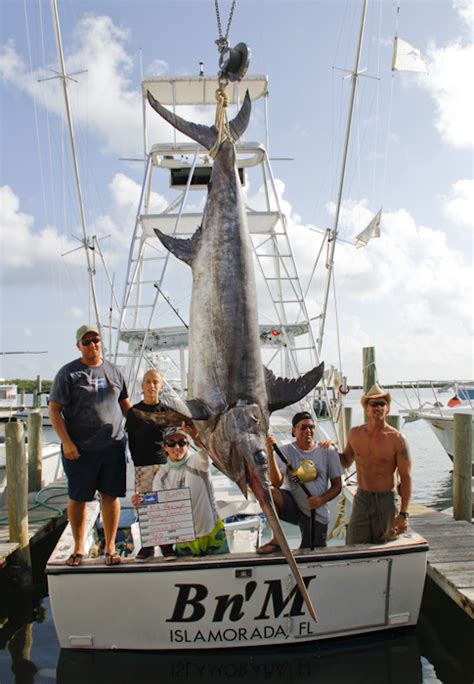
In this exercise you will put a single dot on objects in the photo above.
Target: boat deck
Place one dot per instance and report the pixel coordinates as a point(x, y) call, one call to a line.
point(450, 555)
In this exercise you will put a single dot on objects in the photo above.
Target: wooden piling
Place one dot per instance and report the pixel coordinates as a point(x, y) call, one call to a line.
point(35, 451)
point(394, 421)
point(17, 493)
point(369, 370)
point(462, 496)
point(37, 393)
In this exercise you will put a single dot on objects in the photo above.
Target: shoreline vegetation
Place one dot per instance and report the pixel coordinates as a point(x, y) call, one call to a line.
point(28, 386)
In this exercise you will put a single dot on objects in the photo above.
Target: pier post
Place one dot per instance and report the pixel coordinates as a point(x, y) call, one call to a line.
point(369, 370)
point(17, 494)
point(462, 474)
point(37, 393)
point(394, 421)
point(35, 451)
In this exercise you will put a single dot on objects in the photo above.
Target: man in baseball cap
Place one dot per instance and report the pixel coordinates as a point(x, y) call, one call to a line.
point(88, 401)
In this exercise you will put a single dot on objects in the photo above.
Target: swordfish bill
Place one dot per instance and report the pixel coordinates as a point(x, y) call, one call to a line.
point(230, 393)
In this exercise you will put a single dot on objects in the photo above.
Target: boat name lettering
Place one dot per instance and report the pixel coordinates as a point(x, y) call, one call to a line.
point(191, 605)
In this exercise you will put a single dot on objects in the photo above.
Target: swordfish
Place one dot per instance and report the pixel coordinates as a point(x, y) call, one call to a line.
point(230, 393)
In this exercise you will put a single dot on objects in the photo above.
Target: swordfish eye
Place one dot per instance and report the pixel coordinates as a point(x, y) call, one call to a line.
point(260, 458)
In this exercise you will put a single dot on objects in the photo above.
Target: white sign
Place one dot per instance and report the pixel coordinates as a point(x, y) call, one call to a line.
point(166, 517)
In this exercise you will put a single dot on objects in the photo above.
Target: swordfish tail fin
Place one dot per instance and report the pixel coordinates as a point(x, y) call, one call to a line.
point(205, 135)
point(239, 124)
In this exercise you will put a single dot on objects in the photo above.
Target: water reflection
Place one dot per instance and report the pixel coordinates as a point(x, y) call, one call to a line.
point(16, 635)
point(370, 660)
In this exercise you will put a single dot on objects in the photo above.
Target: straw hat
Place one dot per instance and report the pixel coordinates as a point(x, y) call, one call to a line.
point(376, 392)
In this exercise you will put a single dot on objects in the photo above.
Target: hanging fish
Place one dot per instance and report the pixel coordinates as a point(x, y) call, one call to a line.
point(231, 393)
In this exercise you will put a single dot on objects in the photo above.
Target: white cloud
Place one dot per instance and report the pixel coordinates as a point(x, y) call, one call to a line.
point(22, 247)
point(404, 293)
point(76, 312)
point(465, 10)
point(451, 67)
point(451, 70)
point(157, 68)
point(106, 99)
point(459, 205)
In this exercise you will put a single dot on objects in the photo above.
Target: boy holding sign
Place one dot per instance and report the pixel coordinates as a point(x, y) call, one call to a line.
point(191, 469)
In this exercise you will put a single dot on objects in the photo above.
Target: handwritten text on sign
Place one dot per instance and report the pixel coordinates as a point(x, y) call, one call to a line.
point(166, 517)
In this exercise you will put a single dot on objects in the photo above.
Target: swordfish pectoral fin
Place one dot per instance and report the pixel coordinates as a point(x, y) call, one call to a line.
point(286, 391)
point(205, 135)
point(182, 249)
point(192, 409)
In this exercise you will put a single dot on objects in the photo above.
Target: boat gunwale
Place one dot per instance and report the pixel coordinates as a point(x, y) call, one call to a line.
point(242, 560)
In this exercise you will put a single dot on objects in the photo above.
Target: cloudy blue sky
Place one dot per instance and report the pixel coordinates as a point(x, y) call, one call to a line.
point(409, 293)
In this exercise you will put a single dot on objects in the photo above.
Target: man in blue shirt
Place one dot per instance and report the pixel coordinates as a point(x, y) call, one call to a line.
point(88, 401)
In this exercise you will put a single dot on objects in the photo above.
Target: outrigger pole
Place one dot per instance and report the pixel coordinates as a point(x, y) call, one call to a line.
point(87, 246)
point(332, 238)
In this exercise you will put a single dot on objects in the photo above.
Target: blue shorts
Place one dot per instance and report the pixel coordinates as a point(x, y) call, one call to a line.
point(292, 514)
point(103, 471)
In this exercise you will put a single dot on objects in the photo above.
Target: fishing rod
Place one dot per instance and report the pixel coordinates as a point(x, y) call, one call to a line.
point(305, 489)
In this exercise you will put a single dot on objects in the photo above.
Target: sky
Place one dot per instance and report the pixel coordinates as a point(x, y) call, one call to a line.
point(408, 293)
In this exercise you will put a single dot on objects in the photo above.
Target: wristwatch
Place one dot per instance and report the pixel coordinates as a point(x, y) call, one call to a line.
point(405, 514)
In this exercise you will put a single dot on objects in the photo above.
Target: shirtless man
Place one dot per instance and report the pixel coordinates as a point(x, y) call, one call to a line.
point(379, 451)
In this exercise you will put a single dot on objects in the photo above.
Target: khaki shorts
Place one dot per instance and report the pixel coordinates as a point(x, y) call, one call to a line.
point(372, 517)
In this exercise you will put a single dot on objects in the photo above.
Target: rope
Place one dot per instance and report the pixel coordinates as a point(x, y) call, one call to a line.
point(221, 122)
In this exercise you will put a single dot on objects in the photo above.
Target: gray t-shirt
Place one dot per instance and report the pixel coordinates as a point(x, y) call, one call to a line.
point(328, 466)
point(89, 397)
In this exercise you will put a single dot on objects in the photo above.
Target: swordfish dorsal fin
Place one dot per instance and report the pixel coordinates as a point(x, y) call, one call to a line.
point(205, 135)
point(183, 249)
point(285, 391)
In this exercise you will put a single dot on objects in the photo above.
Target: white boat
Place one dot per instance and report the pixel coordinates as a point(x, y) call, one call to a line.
point(439, 415)
point(240, 599)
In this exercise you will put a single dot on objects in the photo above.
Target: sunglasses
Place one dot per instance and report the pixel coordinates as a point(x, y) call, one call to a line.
point(179, 442)
point(86, 343)
point(377, 403)
point(306, 427)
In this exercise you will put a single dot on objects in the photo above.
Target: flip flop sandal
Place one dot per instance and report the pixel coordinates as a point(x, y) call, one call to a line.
point(271, 547)
point(112, 559)
point(75, 559)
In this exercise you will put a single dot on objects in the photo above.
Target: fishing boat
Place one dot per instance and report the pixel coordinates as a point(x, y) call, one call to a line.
point(239, 599)
point(236, 600)
point(439, 414)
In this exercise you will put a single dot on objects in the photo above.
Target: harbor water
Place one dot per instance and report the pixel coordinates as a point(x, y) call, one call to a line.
point(439, 650)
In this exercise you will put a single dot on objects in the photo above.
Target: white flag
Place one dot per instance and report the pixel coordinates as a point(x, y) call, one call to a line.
point(372, 231)
point(407, 58)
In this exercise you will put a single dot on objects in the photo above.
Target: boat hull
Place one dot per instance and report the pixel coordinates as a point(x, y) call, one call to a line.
point(443, 428)
point(238, 600)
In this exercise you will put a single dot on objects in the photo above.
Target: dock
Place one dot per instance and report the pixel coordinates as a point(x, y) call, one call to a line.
point(451, 554)
point(47, 510)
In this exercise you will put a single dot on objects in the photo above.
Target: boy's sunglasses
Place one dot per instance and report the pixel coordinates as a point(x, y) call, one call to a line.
point(179, 442)
point(86, 343)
